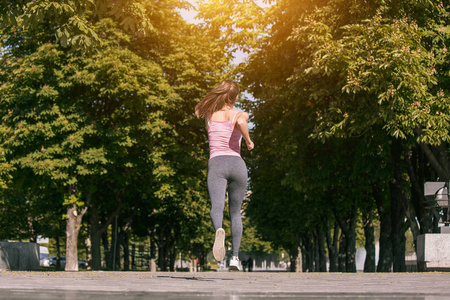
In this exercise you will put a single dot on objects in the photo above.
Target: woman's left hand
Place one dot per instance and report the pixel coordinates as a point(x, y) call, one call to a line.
point(250, 145)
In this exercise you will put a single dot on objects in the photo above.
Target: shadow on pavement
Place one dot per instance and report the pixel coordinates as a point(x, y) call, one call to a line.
point(95, 295)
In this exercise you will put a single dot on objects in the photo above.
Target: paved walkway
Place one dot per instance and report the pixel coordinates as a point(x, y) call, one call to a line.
point(222, 285)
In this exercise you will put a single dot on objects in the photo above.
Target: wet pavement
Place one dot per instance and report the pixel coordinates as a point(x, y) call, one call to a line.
point(223, 285)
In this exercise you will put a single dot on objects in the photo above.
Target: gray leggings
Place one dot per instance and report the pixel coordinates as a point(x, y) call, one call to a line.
point(232, 170)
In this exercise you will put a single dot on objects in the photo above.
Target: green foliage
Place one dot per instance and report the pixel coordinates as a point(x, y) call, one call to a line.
point(336, 82)
point(98, 96)
point(385, 75)
point(120, 118)
point(252, 242)
point(72, 22)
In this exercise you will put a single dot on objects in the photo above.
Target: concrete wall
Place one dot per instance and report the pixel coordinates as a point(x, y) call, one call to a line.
point(19, 256)
point(433, 251)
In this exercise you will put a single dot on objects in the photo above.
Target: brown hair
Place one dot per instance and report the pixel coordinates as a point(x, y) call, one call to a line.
point(225, 93)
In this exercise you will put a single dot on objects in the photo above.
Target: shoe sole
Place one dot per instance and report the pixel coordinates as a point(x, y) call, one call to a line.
point(219, 245)
point(233, 268)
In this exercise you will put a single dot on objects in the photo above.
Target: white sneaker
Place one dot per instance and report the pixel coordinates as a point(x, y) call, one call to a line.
point(234, 264)
point(219, 245)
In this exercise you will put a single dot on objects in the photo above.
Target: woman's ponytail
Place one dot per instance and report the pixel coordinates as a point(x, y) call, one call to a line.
point(224, 94)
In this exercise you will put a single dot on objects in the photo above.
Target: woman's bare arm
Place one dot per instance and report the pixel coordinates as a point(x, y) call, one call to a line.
point(241, 124)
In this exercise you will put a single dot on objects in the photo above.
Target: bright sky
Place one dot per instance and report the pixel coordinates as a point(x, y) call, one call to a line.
point(189, 16)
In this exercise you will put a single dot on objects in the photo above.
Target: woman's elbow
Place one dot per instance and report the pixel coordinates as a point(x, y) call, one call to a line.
point(241, 122)
point(243, 118)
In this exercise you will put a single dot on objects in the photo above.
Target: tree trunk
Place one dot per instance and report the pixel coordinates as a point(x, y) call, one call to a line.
point(444, 159)
point(115, 245)
point(152, 254)
point(342, 252)
point(369, 262)
point(415, 166)
point(161, 259)
point(97, 231)
point(295, 257)
point(311, 253)
point(397, 233)
point(347, 250)
point(88, 243)
point(106, 251)
point(350, 236)
point(316, 253)
point(409, 206)
point(440, 162)
point(304, 256)
point(133, 257)
point(332, 244)
point(172, 258)
point(96, 258)
point(203, 260)
point(322, 253)
point(385, 256)
point(72, 239)
point(126, 251)
point(299, 261)
point(162, 254)
point(58, 252)
point(293, 254)
point(125, 238)
point(73, 225)
point(31, 228)
point(308, 253)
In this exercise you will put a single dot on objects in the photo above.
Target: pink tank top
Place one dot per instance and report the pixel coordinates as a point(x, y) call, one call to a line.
point(224, 138)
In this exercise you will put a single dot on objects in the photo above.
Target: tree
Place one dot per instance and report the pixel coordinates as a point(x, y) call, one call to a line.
point(115, 101)
point(389, 79)
point(130, 114)
point(352, 73)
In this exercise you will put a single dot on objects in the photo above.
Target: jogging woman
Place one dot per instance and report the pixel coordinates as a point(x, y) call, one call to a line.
point(226, 127)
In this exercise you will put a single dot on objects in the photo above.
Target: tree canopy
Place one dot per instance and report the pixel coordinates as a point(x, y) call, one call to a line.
point(350, 113)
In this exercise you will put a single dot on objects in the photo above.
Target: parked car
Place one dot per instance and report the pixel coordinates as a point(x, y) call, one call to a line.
point(44, 262)
point(43, 252)
point(51, 262)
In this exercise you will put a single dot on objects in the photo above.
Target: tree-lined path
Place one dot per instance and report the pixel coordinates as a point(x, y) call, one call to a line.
point(100, 149)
